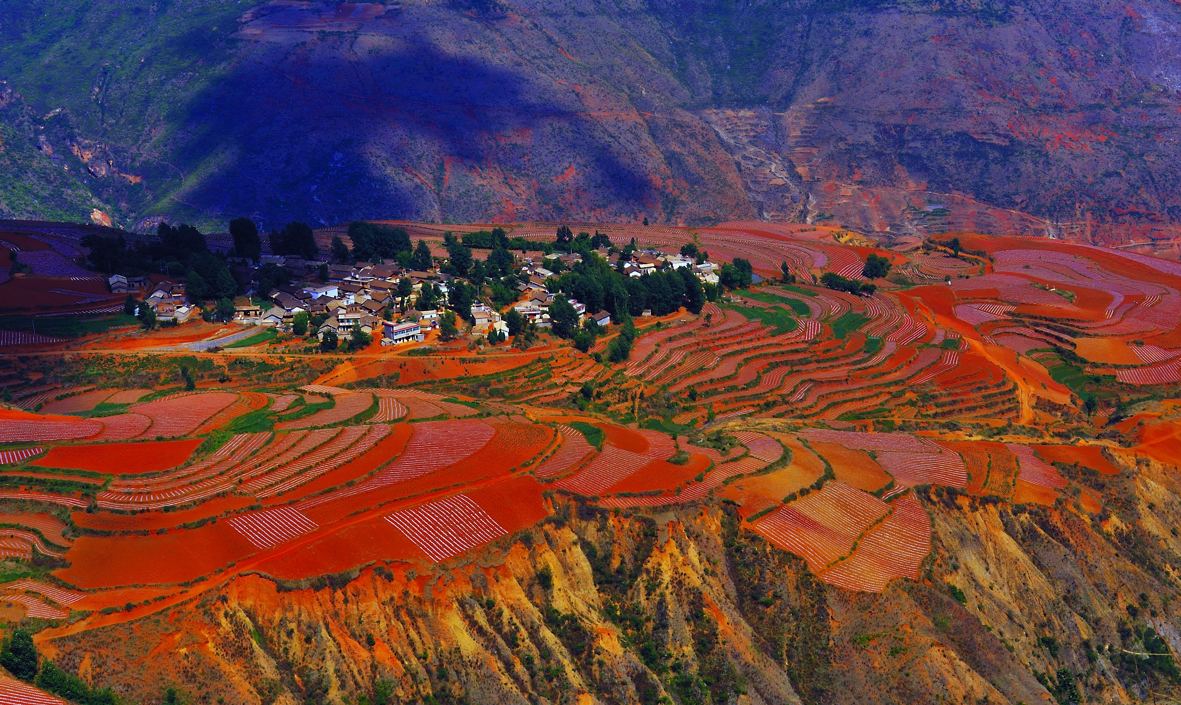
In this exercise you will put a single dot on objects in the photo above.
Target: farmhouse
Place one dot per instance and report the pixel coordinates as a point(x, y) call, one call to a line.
point(120, 284)
point(246, 311)
point(602, 318)
point(398, 333)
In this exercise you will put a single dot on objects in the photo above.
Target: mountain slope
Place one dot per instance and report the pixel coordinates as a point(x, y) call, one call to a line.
point(883, 115)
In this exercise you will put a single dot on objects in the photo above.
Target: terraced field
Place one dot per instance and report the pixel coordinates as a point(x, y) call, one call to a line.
point(830, 424)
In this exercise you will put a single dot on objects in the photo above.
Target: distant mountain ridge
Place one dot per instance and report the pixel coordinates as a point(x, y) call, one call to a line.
point(1039, 117)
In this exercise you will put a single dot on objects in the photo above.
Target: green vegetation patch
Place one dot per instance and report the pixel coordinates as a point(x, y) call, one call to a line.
point(263, 336)
point(847, 323)
point(770, 296)
point(594, 434)
point(778, 319)
point(253, 422)
point(103, 409)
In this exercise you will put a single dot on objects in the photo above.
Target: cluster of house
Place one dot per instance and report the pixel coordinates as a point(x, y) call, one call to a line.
point(536, 299)
point(352, 298)
point(364, 295)
point(166, 298)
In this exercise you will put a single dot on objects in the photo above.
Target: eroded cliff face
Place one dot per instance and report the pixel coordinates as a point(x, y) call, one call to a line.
point(595, 607)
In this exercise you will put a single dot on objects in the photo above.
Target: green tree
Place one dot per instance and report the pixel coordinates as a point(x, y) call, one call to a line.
point(295, 239)
point(271, 277)
point(459, 255)
point(19, 655)
point(875, 267)
point(182, 240)
point(619, 349)
point(339, 250)
point(405, 289)
point(147, 317)
point(421, 259)
point(515, 321)
point(299, 323)
point(329, 341)
point(196, 286)
point(500, 262)
point(563, 317)
point(359, 339)
point(427, 297)
point(461, 296)
point(187, 376)
point(224, 310)
point(583, 340)
point(564, 237)
point(247, 243)
point(373, 242)
point(129, 305)
point(785, 274)
point(694, 294)
point(447, 326)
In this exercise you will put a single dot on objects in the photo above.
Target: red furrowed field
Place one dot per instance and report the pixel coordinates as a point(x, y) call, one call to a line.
point(433, 446)
point(121, 458)
point(625, 452)
point(181, 414)
point(53, 593)
point(447, 527)
point(34, 606)
point(21, 426)
point(11, 457)
point(14, 692)
point(822, 526)
point(346, 406)
point(272, 527)
point(569, 455)
point(389, 410)
point(893, 549)
point(1034, 470)
point(47, 497)
point(348, 444)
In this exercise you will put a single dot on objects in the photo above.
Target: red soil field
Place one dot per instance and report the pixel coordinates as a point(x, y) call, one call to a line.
point(624, 438)
point(754, 494)
point(156, 520)
point(1088, 456)
point(853, 467)
point(164, 337)
point(1029, 493)
point(661, 476)
point(77, 402)
point(178, 556)
point(372, 539)
point(121, 458)
point(412, 370)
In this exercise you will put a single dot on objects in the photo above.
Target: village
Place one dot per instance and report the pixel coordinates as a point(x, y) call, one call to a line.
point(337, 302)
